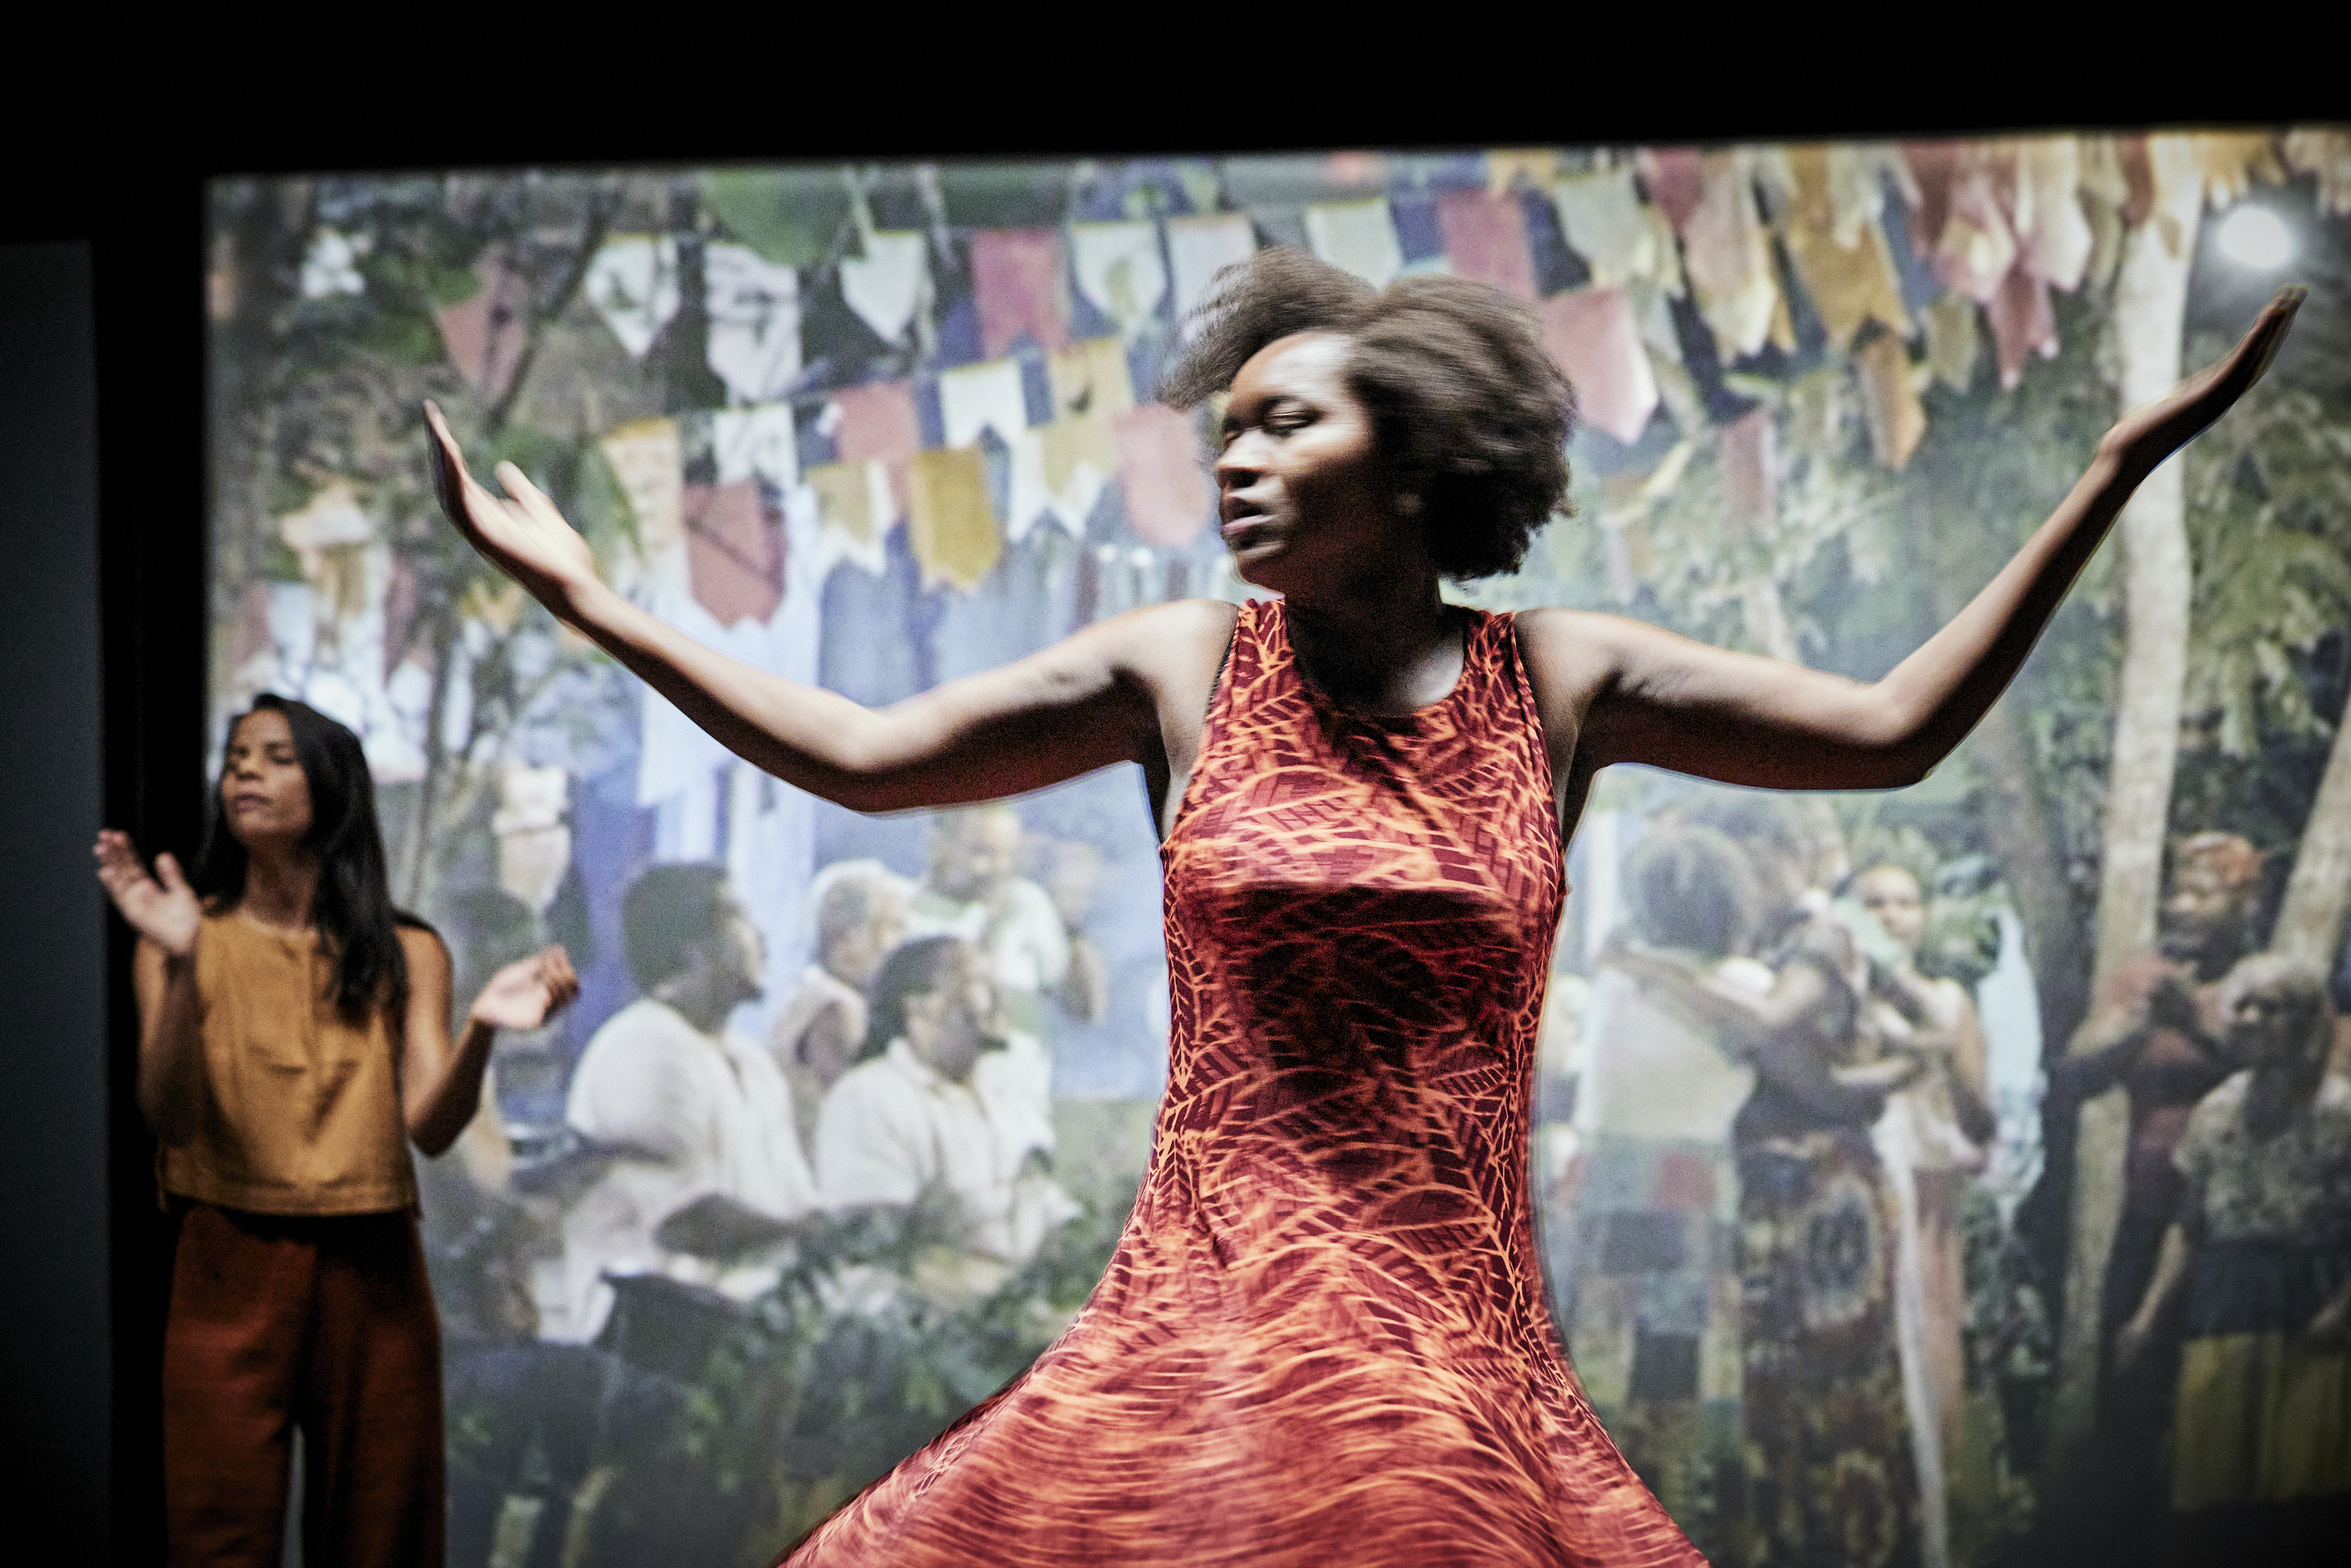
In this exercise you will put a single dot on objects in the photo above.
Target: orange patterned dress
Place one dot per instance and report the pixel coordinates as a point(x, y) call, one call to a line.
point(1323, 1339)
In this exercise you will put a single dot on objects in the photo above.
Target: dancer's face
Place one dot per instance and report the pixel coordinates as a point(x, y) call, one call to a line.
point(265, 794)
point(1302, 492)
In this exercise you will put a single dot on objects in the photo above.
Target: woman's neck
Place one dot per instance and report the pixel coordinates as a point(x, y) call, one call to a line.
point(1388, 644)
point(279, 886)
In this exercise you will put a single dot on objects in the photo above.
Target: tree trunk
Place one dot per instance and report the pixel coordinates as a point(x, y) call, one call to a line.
point(2318, 895)
point(2149, 315)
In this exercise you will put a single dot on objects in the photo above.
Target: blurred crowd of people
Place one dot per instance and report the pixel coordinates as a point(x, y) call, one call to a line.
point(1778, 1244)
point(908, 1069)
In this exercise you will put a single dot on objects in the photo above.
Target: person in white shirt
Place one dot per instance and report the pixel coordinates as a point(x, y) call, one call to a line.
point(861, 914)
point(971, 889)
point(944, 1105)
point(710, 1171)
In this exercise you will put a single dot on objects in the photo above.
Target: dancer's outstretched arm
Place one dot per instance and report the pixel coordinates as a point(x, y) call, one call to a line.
point(1619, 691)
point(1088, 701)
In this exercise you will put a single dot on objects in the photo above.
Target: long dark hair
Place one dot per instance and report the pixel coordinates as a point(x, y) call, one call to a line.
point(358, 927)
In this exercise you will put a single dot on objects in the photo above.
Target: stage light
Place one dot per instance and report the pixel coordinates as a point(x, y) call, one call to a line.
point(2256, 237)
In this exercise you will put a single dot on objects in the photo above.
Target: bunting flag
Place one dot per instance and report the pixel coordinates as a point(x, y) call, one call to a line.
point(1118, 267)
point(1090, 377)
point(1889, 400)
point(759, 443)
point(1850, 280)
point(1486, 239)
point(1017, 283)
point(1603, 219)
point(1358, 236)
point(1728, 255)
point(877, 422)
point(734, 551)
point(949, 524)
point(1167, 497)
point(648, 460)
point(2325, 156)
point(755, 322)
point(1200, 247)
point(854, 509)
point(973, 398)
point(1534, 168)
point(484, 336)
point(1592, 334)
point(633, 284)
point(884, 285)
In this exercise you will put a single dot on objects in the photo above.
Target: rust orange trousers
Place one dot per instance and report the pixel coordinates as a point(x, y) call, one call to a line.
point(326, 1323)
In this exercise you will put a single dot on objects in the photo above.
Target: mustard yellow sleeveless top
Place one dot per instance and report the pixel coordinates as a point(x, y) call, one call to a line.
point(302, 1103)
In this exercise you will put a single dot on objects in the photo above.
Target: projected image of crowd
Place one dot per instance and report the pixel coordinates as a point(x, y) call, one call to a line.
point(1954, 1178)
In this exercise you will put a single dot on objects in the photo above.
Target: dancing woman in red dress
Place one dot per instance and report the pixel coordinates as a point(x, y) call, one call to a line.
point(1322, 1337)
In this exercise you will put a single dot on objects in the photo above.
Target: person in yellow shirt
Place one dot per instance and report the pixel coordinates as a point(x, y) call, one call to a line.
point(293, 1041)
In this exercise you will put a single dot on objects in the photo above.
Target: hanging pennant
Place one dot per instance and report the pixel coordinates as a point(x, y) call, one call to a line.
point(1601, 217)
point(885, 286)
point(949, 524)
point(1534, 168)
point(1200, 247)
point(756, 444)
point(1485, 238)
point(1358, 236)
point(2324, 156)
point(484, 336)
point(973, 398)
point(633, 284)
point(1729, 258)
point(648, 460)
point(1889, 400)
point(855, 507)
point(1849, 281)
point(2053, 235)
point(1167, 498)
point(755, 322)
point(734, 551)
point(1593, 338)
point(1118, 267)
point(877, 420)
point(1016, 285)
point(1091, 377)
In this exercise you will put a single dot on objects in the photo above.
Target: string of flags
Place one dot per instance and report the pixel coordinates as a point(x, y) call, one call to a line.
point(932, 349)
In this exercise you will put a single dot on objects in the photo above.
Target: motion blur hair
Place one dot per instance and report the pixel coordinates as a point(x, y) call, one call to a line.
point(1464, 403)
point(358, 927)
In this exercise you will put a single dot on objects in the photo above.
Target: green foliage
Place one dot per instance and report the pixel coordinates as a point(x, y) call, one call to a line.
point(2268, 493)
point(793, 217)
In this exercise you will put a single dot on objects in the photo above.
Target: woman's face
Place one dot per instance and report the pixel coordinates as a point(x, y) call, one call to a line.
point(1302, 491)
point(1892, 894)
point(265, 794)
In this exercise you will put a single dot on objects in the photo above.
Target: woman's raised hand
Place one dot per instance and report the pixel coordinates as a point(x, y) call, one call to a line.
point(161, 907)
point(527, 992)
point(524, 537)
point(2152, 432)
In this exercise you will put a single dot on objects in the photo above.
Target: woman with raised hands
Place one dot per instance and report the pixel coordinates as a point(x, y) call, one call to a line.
point(1322, 1337)
point(293, 1041)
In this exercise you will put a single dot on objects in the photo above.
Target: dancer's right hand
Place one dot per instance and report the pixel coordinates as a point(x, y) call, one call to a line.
point(162, 907)
point(525, 537)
